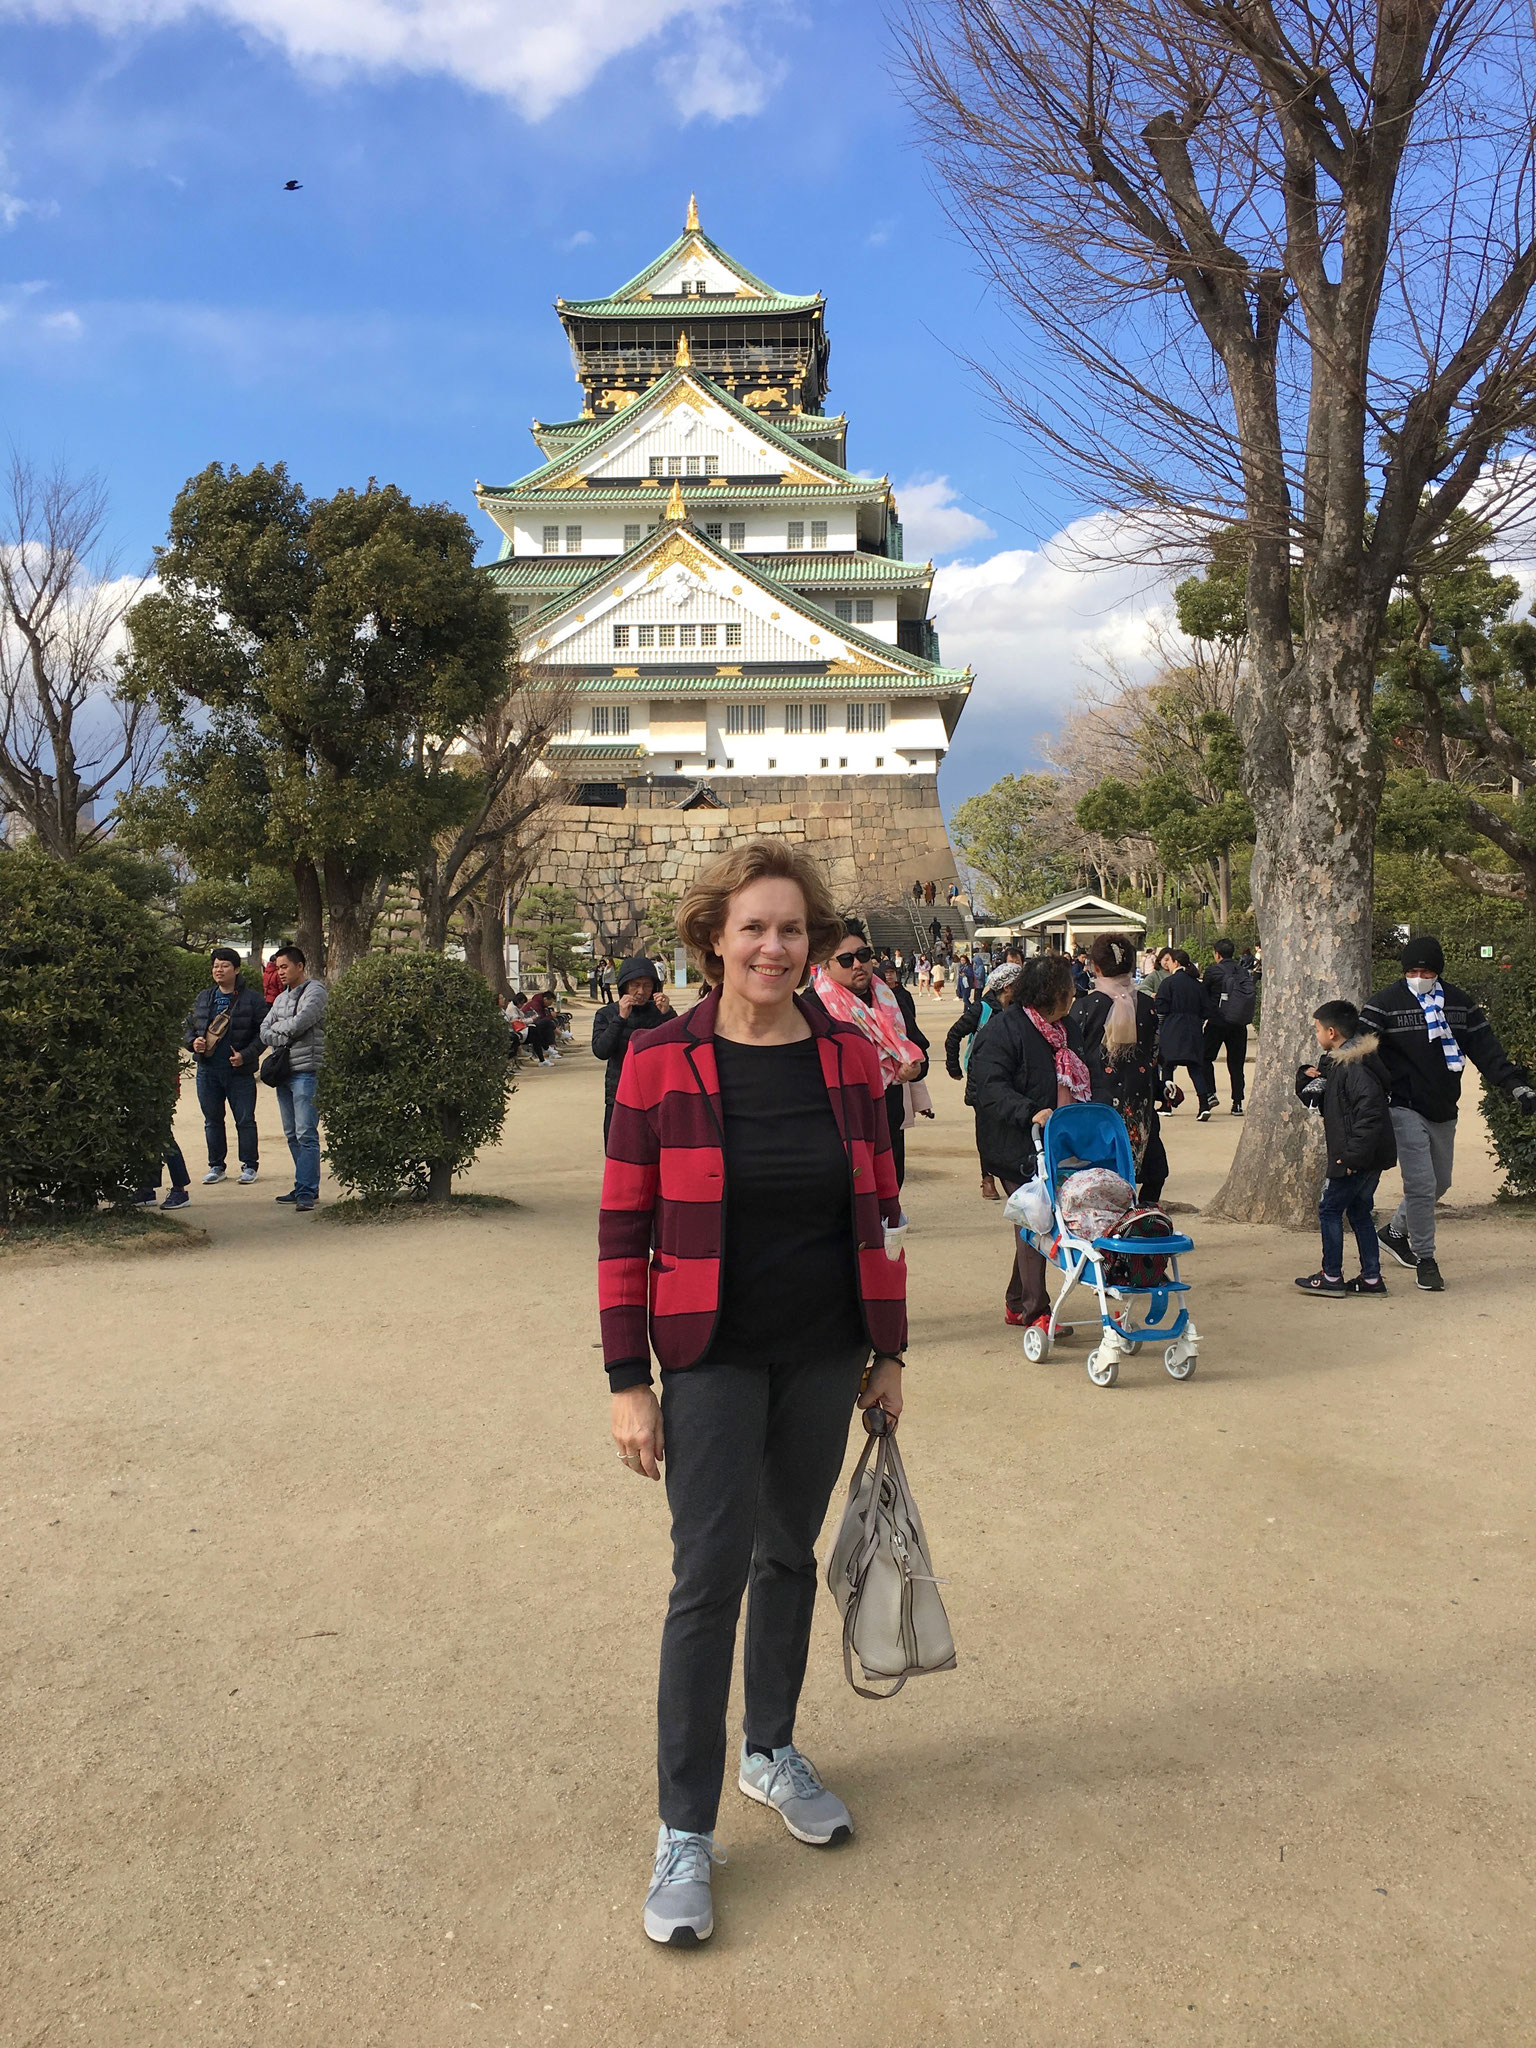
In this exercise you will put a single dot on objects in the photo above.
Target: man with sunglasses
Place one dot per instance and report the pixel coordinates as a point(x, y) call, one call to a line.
point(847, 989)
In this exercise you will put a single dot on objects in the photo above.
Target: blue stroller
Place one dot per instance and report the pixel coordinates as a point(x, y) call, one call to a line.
point(1093, 1134)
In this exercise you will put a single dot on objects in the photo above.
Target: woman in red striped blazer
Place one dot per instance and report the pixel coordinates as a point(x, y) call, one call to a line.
point(745, 1200)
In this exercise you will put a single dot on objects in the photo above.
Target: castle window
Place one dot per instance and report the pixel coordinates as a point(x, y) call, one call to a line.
point(819, 720)
point(737, 537)
point(730, 761)
point(864, 611)
point(519, 611)
point(562, 725)
point(655, 466)
point(685, 635)
point(707, 636)
point(573, 540)
point(794, 718)
point(772, 761)
point(854, 718)
point(818, 533)
point(842, 761)
point(551, 540)
point(631, 537)
point(621, 719)
point(843, 607)
point(733, 635)
point(712, 529)
point(711, 465)
point(877, 718)
point(600, 720)
point(674, 465)
point(734, 717)
point(621, 636)
point(756, 721)
point(795, 539)
point(879, 760)
point(693, 465)
point(666, 636)
point(645, 636)
point(823, 760)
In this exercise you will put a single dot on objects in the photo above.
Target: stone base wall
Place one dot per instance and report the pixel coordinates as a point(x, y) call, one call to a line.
point(874, 835)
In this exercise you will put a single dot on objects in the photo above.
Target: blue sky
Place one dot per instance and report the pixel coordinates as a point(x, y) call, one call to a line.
point(164, 303)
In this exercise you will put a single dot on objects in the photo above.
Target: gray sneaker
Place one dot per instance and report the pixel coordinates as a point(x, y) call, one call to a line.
point(679, 1907)
point(247, 1175)
point(213, 1176)
point(787, 1782)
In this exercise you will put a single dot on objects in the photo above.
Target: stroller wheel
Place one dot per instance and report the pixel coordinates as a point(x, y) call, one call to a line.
point(1180, 1363)
point(1037, 1343)
point(1103, 1366)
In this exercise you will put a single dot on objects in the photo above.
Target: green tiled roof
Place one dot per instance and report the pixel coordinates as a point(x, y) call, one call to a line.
point(854, 637)
point(596, 750)
point(604, 430)
point(935, 682)
point(673, 306)
point(537, 574)
point(710, 489)
point(642, 278)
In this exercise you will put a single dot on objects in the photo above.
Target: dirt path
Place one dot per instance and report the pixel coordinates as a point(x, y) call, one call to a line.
point(327, 1713)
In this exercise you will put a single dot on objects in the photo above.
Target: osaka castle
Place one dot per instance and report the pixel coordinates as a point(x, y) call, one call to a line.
point(727, 601)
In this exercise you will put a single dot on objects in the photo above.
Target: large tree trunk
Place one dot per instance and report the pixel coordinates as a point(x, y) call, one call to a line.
point(1314, 780)
point(309, 929)
point(434, 910)
point(493, 924)
point(351, 907)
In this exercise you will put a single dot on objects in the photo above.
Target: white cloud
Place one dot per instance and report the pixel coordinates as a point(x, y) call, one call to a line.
point(580, 239)
point(879, 234)
point(1034, 623)
point(931, 522)
point(65, 326)
point(534, 57)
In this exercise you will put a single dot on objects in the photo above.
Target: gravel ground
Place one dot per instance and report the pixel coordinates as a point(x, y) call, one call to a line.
point(331, 1627)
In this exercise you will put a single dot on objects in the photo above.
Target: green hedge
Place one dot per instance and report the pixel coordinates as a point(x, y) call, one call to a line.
point(90, 1016)
point(415, 1077)
point(1506, 988)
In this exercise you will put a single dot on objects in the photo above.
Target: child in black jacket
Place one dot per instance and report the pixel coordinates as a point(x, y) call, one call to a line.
point(1349, 1085)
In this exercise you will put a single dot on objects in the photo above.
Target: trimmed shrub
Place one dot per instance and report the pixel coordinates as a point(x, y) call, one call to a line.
point(90, 1015)
point(415, 1078)
point(1506, 988)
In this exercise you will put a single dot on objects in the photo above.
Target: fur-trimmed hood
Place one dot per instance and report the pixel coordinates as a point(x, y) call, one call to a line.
point(1360, 1047)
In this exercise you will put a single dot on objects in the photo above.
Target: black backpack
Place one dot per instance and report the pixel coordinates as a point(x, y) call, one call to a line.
point(1236, 1005)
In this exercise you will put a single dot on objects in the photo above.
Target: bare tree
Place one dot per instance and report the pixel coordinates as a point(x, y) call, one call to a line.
point(66, 738)
point(1279, 254)
point(472, 868)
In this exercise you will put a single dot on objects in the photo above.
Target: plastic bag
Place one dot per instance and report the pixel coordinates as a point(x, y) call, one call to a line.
point(1029, 1207)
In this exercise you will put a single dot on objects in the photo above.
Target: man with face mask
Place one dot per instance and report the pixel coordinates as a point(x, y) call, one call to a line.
point(1428, 1030)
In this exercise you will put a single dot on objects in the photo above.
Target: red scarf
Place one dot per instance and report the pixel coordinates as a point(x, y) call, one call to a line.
point(1072, 1083)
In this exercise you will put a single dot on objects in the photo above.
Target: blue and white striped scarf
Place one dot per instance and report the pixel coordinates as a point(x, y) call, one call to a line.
point(1433, 1006)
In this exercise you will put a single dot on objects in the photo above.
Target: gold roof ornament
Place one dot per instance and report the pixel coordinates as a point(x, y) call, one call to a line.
point(684, 359)
point(691, 224)
point(676, 509)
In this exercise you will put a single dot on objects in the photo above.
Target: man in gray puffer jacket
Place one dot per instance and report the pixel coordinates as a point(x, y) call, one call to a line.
point(295, 1024)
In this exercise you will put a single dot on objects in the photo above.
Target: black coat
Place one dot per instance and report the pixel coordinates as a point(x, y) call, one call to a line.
point(1417, 1076)
point(965, 1026)
point(1229, 992)
point(1134, 1077)
point(611, 1034)
point(1181, 1021)
point(242, 1034)
point(1012, 1077)
point(1351, 1090)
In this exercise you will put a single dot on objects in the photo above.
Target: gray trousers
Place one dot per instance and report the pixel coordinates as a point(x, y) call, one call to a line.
point(1424, 1153)
point(753, 1452)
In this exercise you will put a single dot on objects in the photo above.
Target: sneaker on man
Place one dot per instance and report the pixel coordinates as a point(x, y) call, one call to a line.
point(1361, 1285)
point(1237, 1109)
point(1319, 1283)
point(1396, 1242)
point(679, 1907)
point(178, 1198)
point(305, 1202)
point(247, 1175)
point(290, 1198)
point(787, 1781)
point(1427, 1276)
point(1203, 1113)
point(213, 1176)
point(141, 1198)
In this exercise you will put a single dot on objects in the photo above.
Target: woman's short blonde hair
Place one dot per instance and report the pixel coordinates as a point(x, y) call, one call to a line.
point(706, 903)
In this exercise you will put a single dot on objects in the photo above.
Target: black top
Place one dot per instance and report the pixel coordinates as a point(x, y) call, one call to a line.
point(1012, 1077)
point(1417, 1076)
point(788, 1276)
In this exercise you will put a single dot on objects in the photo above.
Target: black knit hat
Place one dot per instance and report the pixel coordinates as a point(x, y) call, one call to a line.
point(1423, 954)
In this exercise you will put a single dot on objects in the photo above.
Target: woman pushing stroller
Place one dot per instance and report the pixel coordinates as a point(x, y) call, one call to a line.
point(1027, 1062)
point(1117, 1023)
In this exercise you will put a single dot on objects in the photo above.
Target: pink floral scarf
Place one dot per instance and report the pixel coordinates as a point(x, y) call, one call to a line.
point(879, 1019)
point(1072, 1083)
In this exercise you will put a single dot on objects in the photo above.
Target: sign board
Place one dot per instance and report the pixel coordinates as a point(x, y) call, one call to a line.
point(1486, 952)
point(679, 966)
point(514, 964)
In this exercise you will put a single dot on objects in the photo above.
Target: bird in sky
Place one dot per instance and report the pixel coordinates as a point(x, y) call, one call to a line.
point(293, 185)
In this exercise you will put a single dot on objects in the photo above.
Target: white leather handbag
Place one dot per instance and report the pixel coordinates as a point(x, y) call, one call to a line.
point(881, 1575)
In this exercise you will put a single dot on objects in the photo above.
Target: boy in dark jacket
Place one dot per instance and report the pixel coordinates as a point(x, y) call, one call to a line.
point(1349, 1085)
point(642, 1005)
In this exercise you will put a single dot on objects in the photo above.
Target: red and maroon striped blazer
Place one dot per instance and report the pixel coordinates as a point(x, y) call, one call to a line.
point(660, 1229)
